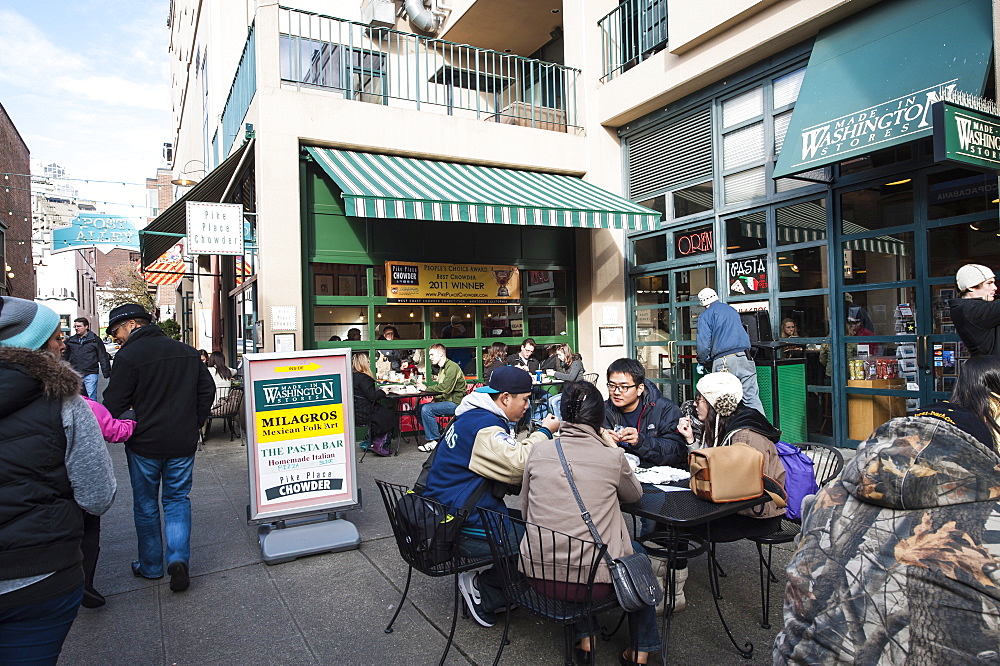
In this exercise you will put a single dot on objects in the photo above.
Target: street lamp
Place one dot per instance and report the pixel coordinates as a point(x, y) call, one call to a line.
point(187, 182)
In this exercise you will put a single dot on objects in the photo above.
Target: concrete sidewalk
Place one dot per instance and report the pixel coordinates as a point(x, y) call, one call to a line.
point(332, 608)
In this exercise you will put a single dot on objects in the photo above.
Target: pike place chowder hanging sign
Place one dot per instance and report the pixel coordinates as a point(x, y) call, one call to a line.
point(300, 428)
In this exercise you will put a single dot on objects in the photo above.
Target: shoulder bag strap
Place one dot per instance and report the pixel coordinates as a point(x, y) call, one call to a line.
point(579, 500)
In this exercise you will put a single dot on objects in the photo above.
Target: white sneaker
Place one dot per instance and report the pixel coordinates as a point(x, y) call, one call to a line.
point(428, 447)
point(468, 586)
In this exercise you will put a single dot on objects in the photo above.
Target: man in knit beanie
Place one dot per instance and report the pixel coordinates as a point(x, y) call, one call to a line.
point(54, 465)
point(975, 313)
point(724, 346)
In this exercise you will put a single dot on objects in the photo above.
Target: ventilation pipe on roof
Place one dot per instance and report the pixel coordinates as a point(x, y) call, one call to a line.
point(420, 16)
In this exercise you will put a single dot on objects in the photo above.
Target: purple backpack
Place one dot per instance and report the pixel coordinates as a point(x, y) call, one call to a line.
point(800, 478)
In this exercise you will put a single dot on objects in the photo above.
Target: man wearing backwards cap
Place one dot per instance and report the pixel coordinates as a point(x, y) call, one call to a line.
point(54, 464)
point(975, 313)
point(171, 391)
point(480, 447)
point(723, 345)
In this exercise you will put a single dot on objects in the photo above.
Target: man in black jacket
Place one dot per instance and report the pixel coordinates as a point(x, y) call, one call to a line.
point(641, 420)
point(86, 353)
point(171, 391)
point(976, 314)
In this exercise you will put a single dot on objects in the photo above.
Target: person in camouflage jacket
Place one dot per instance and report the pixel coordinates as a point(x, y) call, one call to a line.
point(899, 558)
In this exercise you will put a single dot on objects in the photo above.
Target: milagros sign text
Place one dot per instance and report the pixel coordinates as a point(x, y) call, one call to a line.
point(302, 458)
point(966, 136)
point(862, 131)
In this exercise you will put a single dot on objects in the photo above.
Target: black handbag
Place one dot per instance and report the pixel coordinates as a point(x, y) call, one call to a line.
point(635, 583)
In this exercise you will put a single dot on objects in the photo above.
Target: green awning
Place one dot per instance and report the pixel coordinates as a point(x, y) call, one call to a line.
point(386, 186)
point(872, 78)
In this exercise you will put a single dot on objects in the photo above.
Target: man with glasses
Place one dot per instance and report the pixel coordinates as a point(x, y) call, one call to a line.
point(641, 420)
point(171, 391)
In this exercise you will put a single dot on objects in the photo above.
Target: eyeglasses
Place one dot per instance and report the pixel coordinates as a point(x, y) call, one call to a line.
point(620, 388)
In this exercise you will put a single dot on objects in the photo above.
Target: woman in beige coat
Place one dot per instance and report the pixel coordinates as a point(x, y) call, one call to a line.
point(603, 478)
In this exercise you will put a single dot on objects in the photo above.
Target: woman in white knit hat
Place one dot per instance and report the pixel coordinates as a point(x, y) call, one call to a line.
point(975, 313)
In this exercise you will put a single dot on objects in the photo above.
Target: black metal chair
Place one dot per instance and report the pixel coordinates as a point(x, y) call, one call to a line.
point(416, 554)
point(554, 590)
point(827, 464)
point(228, 402)
point(591, 377)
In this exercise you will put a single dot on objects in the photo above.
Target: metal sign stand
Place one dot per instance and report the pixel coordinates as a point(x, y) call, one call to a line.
point(287, 540)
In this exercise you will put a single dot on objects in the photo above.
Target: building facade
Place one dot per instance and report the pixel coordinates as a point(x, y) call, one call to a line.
point(18, 277)
point(340, 135)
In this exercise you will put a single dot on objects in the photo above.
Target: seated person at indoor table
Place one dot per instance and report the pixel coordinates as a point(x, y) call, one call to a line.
point(524, 358)
point(570, 366)
point(640, 419)
point(551, 361)
point(603, 478)
point(449, 389)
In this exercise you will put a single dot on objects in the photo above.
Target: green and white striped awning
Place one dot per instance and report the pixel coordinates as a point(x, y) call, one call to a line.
point(386, 186)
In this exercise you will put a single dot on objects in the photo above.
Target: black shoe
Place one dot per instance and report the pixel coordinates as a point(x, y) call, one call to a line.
point(92, 598)
point(582, 657)
point(179, 578)
point(138, 572)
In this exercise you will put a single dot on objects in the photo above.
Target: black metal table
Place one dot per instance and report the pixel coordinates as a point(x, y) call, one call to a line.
point(673, 512)
point(404, 409)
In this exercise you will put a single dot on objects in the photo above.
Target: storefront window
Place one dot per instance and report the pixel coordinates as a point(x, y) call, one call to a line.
point(546, 321)
point(690, 282)
point(656, 360)
point(880, 312)
point(408, 320)
point(746, 232)
point(449, 322)
point(876, 366)
point(650, 250)
point(378, 280)
point(394, 364)
point(880, 158)
point(658, 204)
point(651, 290)
point(333, 324)
point(801, 222)
point(694, 199)
point(339, 279)
point(960, 192)
point(802, 269)
point(948, 248)
point(547, 284)
point(687, 322)
point(886, 258)
point(879, 207)
point(810, 316)
point(745, 185)
point(652, 325)
point(502, 321)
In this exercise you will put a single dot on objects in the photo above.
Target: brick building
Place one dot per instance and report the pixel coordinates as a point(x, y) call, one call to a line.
point(15, 212)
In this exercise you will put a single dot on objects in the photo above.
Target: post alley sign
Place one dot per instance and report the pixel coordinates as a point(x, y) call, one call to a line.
point(96, 230)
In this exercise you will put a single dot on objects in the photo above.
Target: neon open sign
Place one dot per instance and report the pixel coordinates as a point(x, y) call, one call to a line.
point(694, 241)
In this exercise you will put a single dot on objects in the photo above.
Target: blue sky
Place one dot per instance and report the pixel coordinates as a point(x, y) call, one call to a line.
point(87, 86)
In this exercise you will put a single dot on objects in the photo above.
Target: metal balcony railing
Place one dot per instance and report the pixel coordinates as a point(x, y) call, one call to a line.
point(633, 31)
point(382, 66)
point(240, 94)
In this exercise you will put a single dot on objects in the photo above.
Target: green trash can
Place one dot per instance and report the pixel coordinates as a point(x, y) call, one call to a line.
point(782, 384)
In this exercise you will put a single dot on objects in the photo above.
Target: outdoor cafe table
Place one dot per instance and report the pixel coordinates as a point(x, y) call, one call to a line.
point(402, 409)
point(673, 512)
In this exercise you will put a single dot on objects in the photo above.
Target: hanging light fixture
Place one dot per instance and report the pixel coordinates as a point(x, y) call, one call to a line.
point(412, 314)
point(361, 315)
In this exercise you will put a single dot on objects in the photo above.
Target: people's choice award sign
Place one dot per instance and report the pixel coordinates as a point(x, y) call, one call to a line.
point(412, 282)
point(301, 423)
point(214, 228)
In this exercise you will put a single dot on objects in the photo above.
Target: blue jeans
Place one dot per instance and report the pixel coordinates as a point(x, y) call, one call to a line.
point(746, 370)
point(90, 385)
point(146, 475)
point(643, 633)
point(429, 411)
point(34, 634)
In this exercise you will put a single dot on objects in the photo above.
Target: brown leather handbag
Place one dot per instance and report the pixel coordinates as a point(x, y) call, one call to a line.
point(730, 473)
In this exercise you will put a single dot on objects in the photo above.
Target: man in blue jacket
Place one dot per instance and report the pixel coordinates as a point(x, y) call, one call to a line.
point(724, 345)
point(640, 419)
point(480, 447)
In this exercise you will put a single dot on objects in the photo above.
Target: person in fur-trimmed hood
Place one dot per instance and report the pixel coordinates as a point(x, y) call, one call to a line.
point(58, 466)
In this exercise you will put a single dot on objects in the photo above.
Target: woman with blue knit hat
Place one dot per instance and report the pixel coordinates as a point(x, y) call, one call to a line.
point(58, 466)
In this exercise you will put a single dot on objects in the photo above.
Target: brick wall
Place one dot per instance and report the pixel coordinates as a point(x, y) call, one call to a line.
point(15, 208)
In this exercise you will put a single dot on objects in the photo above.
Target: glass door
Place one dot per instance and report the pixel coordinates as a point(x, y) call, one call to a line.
point(667, 312)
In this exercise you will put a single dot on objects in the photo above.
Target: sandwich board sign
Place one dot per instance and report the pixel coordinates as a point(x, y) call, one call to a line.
point(299, 409)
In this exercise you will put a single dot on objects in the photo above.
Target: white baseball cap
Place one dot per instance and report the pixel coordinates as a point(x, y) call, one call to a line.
point(706, 296)
point(970, 275)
